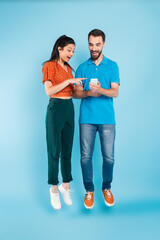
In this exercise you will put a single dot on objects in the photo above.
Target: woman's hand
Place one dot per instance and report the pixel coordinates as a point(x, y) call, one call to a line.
point(77, 81)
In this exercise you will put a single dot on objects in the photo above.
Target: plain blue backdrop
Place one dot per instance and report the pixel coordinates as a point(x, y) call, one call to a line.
point(28, 31)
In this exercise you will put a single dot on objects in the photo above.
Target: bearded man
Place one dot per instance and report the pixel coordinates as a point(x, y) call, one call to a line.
point(97, 115)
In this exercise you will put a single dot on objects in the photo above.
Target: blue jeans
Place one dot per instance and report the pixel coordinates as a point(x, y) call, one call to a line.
point(87, 141)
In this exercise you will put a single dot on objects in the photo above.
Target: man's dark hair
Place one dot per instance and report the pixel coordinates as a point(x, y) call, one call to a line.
point(97, 33)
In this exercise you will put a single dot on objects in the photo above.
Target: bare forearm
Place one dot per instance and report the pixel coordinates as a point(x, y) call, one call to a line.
point(108, 92)
point(55, 89)
point(80, 94)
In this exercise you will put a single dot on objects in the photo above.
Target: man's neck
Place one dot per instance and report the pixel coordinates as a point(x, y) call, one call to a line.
point(98, 60)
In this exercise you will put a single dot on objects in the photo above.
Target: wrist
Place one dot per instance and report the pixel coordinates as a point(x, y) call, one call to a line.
point(88, 93)
point(100, 90)
point(68, 81)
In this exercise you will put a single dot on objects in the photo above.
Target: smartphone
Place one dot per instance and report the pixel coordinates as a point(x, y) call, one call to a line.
point(94, 81)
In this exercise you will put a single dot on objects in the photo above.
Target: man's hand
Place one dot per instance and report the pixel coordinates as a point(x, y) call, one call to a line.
point(95, 88)
point(79, 93)
point(78, 87)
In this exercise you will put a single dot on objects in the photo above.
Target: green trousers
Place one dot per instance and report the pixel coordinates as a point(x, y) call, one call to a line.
point(59, 136)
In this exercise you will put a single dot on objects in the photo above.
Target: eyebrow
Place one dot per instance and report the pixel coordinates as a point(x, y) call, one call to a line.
point(95, 43)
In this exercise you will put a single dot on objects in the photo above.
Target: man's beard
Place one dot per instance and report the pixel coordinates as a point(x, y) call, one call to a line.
point(95, 58)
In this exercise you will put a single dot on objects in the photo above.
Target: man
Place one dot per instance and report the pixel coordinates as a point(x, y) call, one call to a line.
point(97, 115)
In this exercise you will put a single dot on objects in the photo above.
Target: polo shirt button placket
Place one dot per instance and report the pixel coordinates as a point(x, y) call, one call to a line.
point(95, 73)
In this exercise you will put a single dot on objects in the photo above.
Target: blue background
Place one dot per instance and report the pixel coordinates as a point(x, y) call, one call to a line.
point(28, 31)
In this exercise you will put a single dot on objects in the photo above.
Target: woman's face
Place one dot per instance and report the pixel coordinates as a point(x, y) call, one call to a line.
point(67, 52)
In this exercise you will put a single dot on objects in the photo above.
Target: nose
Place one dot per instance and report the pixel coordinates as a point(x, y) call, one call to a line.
point(94, 48)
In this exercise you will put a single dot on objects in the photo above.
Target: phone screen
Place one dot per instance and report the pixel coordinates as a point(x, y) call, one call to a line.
point(94, 80)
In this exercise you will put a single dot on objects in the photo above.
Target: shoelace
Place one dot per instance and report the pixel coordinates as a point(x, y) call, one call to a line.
point(56, 197)
point(69, 192)
point(108, 193)
point(88, 195)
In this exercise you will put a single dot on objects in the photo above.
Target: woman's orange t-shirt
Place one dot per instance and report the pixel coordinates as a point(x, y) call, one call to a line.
point(54, 72)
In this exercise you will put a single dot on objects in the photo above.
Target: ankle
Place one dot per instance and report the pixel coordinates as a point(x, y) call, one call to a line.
point(54, 189)
point(66, 185)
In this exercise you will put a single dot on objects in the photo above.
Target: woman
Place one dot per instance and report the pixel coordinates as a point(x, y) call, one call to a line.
point(58, 81)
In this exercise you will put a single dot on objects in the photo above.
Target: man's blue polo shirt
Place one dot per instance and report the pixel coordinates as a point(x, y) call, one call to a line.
point(98, 110)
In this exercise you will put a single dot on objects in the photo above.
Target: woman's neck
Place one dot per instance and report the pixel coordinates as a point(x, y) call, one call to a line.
point(61, 62)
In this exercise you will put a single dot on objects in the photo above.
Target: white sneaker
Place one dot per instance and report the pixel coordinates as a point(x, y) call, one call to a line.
point(55, 200)
point(66, 194)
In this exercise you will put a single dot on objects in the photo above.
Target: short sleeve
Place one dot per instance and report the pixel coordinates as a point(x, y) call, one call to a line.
point(115, 74)
point(47, 73)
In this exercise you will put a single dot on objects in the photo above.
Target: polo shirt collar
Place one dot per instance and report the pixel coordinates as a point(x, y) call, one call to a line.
point(104, 61)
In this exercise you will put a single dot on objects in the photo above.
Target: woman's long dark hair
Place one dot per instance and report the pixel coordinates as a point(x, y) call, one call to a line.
point(61, 42)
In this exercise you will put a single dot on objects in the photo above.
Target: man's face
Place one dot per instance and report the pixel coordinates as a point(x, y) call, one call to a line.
point(96, 45)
